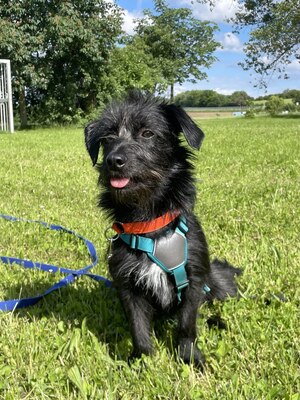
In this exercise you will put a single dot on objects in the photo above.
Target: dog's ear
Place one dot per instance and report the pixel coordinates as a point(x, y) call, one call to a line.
point(181, 122)
point(93, 136)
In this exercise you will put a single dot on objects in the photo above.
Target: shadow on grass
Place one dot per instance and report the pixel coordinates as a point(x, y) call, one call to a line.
point(287, 116)
point(100, 309)
point(103, 314)
point(95, 304)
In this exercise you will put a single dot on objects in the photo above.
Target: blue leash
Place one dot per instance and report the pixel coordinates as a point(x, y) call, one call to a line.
point(10, 305)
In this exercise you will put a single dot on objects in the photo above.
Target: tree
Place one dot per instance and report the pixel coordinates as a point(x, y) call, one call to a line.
point(21, 40)
point(59, 52)
point(210, 98)
point(275, 105)
point(133, 68)
point(274, 38)
point(239, 98)
point(293, 94)
point(181, 45)
point(251, 109)
point(274, 35)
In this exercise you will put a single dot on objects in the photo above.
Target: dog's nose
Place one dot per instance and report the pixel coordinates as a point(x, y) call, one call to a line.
point(116, 160)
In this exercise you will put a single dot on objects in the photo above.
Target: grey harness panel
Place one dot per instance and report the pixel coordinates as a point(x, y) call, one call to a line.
point(170, 250)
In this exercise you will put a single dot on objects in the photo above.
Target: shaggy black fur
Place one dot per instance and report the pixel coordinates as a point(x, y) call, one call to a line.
point(146, 172)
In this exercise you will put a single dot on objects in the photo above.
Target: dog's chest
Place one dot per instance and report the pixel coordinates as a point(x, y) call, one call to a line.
point(142, 273)
point(154, 265)
point(154, 280)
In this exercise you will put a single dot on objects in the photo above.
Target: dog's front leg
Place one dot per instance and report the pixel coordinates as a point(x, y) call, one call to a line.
point(187, 333)
point(139, 313)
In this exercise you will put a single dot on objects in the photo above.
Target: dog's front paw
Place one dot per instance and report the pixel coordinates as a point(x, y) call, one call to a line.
point(139, 353)
point(134, 356)
point(190, 354)
point(137, 360)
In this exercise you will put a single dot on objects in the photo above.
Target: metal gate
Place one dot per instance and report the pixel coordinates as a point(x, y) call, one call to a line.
point(6, 108)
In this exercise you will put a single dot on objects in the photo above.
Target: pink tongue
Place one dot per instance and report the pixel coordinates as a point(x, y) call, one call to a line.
point(119, 183)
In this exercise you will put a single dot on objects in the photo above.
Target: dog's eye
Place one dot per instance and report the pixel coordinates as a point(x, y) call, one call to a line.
point(109, 138)
point(147, 134)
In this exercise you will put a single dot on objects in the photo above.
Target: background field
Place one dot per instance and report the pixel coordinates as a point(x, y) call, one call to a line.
point(213, 113)
point(74, 344)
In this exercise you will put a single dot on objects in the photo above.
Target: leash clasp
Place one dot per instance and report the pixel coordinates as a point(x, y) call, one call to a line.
point(110, 240)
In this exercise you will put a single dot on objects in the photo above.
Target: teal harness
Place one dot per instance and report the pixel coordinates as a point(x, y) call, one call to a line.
point(170, 252)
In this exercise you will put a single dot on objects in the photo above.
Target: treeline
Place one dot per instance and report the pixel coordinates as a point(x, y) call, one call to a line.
point(292, 94)
point(70, 57)
point(211, 98)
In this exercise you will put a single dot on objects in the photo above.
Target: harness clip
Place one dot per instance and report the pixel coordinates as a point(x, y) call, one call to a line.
point(110, 240)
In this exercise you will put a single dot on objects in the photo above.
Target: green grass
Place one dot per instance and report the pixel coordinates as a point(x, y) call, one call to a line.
point(74, 344)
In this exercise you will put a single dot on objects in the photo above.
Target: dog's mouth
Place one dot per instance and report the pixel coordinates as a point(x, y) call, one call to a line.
point(119, 183)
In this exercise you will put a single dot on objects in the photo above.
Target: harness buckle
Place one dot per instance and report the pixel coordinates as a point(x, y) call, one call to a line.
point(134, 242)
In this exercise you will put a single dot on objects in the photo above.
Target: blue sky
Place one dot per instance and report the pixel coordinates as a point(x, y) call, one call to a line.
point(225, 76)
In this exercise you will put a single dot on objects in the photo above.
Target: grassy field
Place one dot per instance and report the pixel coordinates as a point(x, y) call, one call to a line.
point(74, 344)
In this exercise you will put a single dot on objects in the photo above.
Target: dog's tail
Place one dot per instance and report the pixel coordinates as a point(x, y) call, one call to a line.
point(221, 280)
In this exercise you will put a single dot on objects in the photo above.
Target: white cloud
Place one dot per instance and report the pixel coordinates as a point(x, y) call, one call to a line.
point(231, 42)
point(130, 18)
point(293, 67)
point(223, 9)
point(227, 92)
point(128, 21)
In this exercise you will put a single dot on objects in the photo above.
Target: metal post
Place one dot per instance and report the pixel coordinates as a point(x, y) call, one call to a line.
point(6, 104)
point(10, 102)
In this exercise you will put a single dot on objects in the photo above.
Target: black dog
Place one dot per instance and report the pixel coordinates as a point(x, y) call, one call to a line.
point(159, 260)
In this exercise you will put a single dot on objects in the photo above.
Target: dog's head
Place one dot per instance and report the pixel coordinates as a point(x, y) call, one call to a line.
point(142, 150)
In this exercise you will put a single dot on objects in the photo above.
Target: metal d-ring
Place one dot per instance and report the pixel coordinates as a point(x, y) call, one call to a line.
point(110, 239)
